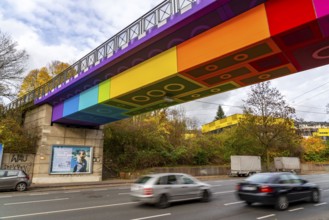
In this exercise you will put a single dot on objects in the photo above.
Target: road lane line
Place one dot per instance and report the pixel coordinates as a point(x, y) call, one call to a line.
point(297, 209)
point(224, 192)
point(1, 197)
point(123, 193)
point(48, 200)
point(266, 216)
point(66, 210)
point(76, 191)
point(325, 190)
point(38, 194)
point(154, 216)
point(233, 203)
point(323, 203)
point(96, 190)
point(216, 185)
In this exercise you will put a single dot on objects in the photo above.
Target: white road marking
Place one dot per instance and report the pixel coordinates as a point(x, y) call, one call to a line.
point(323, 203)
point(233, 203)
point(66, 210)
point(5, 197)
point(224, 192)
point(38, 194)
point(216, 185)
point(266, 216)
point(325, 190)
point(77, 191)
point(123, 193)
point(154, 216)
point(48, 200)
point(297, 209)
point(95, 190)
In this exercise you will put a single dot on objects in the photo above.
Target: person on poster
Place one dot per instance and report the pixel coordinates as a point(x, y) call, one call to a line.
point(81, 165)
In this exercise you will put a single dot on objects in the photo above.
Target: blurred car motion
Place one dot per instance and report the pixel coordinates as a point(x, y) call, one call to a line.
point(278, 189)
point(14, 179)
point(165, 188)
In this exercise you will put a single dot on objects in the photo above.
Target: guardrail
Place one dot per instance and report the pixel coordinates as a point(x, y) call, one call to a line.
point(138, 29)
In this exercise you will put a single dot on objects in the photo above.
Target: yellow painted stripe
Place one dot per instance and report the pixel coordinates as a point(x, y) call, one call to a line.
point(146, 73)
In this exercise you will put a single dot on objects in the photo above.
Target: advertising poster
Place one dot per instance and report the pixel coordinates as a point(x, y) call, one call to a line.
point(71, 159)
point(1, 153)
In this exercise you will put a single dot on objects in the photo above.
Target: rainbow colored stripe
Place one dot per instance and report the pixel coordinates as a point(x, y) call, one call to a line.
point(274, 39)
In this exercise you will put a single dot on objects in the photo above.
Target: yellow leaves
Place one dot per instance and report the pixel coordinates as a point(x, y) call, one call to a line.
point(313, 144)
point(38, 77)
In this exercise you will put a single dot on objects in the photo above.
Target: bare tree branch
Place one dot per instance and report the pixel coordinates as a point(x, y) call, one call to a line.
point(12, 63)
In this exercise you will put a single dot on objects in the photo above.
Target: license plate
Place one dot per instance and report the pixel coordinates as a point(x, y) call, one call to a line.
point(249, 188)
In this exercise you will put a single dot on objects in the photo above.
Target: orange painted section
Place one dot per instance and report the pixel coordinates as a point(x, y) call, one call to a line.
point(235, 34)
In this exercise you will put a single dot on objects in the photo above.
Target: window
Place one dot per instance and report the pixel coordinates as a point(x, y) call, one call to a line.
point(187, 180)
point(143, 179)
point(162, 180)
point(172, 179)
point(12, 173)
point(295, 179)
point(284, 179)
point(2, 173)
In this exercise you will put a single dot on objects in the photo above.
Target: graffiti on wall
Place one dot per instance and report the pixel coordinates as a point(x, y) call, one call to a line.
point(18, 162)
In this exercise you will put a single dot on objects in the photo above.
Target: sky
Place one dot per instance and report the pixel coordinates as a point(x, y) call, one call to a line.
point(66, 30)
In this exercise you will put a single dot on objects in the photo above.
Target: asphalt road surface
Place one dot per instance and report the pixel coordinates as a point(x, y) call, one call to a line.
point(99, 203)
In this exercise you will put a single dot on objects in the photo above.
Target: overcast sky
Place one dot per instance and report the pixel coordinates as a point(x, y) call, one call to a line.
point(66, 30)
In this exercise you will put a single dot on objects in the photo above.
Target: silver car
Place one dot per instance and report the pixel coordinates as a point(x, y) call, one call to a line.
point(165, 188)
point(14, 179)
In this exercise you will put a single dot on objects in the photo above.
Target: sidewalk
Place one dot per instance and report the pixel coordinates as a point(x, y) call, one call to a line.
point(104, 183)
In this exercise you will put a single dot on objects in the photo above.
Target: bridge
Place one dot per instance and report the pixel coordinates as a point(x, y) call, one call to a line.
point(185, 50)
point(180, 51)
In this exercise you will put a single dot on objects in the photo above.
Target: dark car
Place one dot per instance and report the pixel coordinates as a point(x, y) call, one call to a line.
point(14, 179)
point(278, 189)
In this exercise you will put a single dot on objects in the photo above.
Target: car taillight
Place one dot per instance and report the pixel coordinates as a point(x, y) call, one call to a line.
point(27, 177)
point(148, 191)
point(265, 189)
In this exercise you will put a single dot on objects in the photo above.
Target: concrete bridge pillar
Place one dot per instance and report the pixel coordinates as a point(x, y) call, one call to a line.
point(53, 163)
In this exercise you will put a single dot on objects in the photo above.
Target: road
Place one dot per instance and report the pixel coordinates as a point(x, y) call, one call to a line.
point(99, 203)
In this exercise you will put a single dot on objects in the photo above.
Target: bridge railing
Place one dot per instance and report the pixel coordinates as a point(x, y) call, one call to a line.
point(138, 29)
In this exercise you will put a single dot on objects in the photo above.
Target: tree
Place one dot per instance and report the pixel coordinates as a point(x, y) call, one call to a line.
point(220, 113)
point(38, 77)
point(270, 120)
point(12, 62)
point(314, 149)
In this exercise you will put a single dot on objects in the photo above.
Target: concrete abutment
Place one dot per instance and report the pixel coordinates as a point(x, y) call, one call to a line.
point(57, 135)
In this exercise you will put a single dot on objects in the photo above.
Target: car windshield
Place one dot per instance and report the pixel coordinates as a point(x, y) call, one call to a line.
point(143, 179)
point(260, 178)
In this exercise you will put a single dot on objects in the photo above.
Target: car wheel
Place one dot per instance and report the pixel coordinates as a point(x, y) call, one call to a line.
point(163, 202)
point(205, 196)
point(21, 187)
point(282, 203)
point(248, 203)
point(315, 196)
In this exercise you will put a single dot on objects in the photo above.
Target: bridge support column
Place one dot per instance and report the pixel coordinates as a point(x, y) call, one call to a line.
point(50, 164)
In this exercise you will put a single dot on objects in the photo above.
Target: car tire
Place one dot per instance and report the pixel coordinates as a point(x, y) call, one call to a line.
point(281, 203)
point(21, 187)
point(315, 196)
point(249, 203)
point(205, 197)
point(163, 202)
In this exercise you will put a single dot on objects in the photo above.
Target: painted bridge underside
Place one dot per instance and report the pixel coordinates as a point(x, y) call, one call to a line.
point(272, 39)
